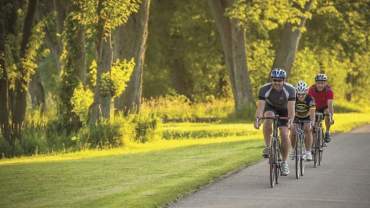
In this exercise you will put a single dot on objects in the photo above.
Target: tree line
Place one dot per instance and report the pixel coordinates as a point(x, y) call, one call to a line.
point(96, 58)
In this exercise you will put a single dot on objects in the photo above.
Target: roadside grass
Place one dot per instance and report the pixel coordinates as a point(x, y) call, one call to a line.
point(145, 179)
point(139, 175)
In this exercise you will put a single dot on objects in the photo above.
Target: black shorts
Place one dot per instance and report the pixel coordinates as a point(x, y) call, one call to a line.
point(296, 119)
point(280, 112)
point(322, 110)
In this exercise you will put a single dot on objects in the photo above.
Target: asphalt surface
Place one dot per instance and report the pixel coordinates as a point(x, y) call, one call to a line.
point(342, 180)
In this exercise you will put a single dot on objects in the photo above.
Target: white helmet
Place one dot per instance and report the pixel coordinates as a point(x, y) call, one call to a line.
point(302, 87)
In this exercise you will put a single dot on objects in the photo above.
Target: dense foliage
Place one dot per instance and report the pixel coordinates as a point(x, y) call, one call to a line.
point(69, 46)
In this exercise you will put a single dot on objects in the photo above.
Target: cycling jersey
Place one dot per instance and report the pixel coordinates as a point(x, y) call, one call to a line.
point(277, 99)
point(302, 108)
point(321, 97)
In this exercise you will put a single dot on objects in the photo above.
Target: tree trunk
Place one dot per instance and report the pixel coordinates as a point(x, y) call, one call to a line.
point(74, 68)
point(233, 43)
point(37, 92)
point(289, 41)
point(131, 42)
point(101, 106)
point(19, 102)
point(4, 84)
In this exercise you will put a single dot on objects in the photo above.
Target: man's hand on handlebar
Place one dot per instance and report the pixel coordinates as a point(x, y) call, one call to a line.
point(257, 123)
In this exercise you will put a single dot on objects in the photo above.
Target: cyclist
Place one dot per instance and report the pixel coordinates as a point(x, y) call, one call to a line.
point(304, 110)
point(276, 97)
point(323, 96)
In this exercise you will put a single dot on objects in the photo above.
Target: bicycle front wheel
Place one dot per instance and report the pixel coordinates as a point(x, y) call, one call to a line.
point(297, 160)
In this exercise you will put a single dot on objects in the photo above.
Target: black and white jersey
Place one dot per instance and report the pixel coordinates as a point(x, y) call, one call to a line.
point(275, 98)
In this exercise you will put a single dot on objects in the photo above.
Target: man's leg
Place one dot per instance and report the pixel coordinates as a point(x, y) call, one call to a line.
point(327, 125)
point(284, 133)
point(267, 131)
point(292, 136)
point(308, 140)
point(285, 144)
point(292, 140)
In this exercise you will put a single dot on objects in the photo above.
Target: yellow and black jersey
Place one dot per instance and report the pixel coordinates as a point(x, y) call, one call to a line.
point(302, 108)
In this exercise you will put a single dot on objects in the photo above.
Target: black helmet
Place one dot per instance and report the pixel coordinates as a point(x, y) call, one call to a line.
point(278, 73)
point(321, 77)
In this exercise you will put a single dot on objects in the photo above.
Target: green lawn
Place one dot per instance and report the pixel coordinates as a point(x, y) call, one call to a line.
point(139, 175)
point(131, 180)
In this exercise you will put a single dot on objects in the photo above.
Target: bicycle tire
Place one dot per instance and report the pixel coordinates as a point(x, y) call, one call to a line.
point(319, 148)
point(301, 162)
point(273, 164)
point(322, 146)
point(315, 151)
point(272, 175)
point(296, 158)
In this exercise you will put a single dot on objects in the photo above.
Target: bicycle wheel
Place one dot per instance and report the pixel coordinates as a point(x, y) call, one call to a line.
point(314, 150)
point(277, 161)
point(319, 144)
point(301, 162)
point(272, 165)
point(272, 175)
point(322, 147)
point(296, 158)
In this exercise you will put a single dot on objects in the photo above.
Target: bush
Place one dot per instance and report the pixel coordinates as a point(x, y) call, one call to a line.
point(147, 128)
point(105, 134)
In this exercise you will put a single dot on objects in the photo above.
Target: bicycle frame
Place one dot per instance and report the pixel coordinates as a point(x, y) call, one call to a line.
point(275, 154)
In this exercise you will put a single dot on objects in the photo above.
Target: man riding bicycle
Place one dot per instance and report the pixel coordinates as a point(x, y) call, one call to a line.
point(304, 111)
point(276, 98)
point(323, 96)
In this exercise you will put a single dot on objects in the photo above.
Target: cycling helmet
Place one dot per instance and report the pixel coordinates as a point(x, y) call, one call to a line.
point(278, 73)
point(301, 87)
point(321, 77)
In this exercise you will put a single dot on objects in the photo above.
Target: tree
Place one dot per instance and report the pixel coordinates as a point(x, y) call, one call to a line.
point(17, 64)
point(103, 17)
point(131, 42)
point(233, 44)
point(289, 40)
point(74, 64)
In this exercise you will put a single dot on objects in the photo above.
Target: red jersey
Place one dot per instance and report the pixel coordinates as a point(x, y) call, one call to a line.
point(321, 98)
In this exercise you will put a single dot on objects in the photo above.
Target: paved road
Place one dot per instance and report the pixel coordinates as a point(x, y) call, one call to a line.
point(343, 180)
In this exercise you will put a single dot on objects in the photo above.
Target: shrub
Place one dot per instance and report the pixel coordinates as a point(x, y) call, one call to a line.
point(147, 128)
point(105, 134)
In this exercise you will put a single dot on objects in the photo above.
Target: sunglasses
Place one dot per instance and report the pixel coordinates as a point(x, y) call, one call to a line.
point(277, 80)
point(301, 94)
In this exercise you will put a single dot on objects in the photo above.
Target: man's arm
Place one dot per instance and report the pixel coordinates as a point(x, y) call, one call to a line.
point(330, 107)
point(291, 109)
point(260, 107)
point(259, 112)
point(312, 115)
point(331, 111)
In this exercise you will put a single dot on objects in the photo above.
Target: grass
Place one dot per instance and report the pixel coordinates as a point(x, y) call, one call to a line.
point(139, 175)
point(141, 179)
